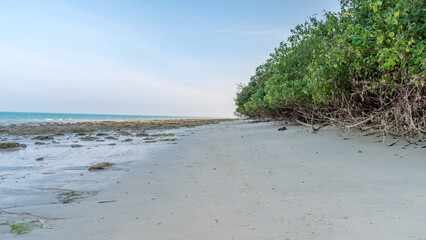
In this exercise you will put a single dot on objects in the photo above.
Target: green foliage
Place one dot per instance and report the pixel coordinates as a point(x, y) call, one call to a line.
point(24, 227)
point(360, 55)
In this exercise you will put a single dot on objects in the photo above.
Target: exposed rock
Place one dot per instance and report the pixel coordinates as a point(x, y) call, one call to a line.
point(282, 129)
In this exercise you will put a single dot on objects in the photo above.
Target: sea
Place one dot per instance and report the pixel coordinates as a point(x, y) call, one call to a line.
point(8, 118)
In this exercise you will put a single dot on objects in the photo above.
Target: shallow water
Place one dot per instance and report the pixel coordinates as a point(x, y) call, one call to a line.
point(25, 181)
point(7, 118)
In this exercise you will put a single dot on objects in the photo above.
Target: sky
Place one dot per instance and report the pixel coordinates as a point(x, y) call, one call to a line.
point(170, 58)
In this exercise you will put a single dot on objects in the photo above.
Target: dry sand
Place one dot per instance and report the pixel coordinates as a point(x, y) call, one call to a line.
point(239, 180)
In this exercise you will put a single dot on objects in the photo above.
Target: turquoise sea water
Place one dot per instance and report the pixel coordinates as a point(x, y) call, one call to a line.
point(7, 118)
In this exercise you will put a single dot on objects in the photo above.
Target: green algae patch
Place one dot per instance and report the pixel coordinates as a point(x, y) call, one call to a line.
point(101, 166)
point(76, 146)
point(43, 138)
point(149, 138)
point(8, 145)
point(163, 135)
point(72, 196)
point(168, 139)
point(24, 227)
point(151, 141)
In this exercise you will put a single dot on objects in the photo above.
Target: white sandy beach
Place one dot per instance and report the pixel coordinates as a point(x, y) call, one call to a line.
point(239, 180)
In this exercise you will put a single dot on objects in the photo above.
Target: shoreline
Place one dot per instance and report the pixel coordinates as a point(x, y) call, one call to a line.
point(67, 163)
point(249, 181)
point(93, 126)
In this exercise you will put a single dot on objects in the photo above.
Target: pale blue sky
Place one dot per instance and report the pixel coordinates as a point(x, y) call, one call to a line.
point(138, 57)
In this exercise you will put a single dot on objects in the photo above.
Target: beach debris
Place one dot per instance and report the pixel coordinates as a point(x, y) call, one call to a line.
point(39, 143)
point(40, 159)
point(43, 138)
point(142, 134)
point(72, 196)
point(101, 166)
point(24, 227)
point(76, 146)
point(128, 140)
point(282, 129)
point(7, 145)
point(359, 151)
point(47, 173)
point(346, 138)
point(112, 144)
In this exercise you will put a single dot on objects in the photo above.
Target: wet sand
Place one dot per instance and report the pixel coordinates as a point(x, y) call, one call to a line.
point(239, 180)
point(65, 163)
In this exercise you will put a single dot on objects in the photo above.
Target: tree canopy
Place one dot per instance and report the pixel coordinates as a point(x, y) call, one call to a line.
point(365, 63)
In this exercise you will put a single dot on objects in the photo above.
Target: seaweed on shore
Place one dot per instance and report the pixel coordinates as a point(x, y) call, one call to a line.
point(168, 139)
point(9, 145)
point(163, 135)
point(24, 227)
point(142, 134)
point(43, 138)
point(111, 138)
point(101, 166)
point(72, 196)
point(89, 138)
